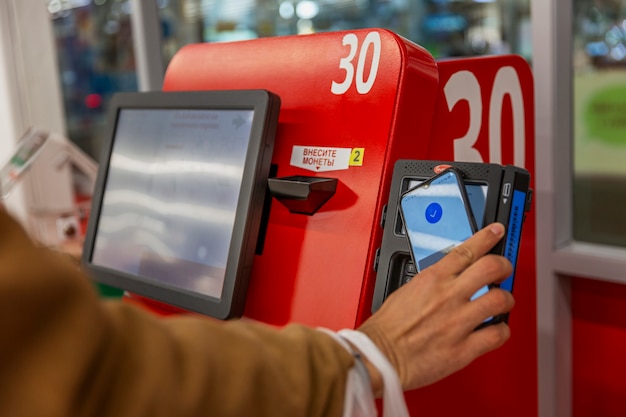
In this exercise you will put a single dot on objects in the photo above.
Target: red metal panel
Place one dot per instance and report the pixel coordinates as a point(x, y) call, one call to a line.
point(598, 345)
point(485, 113)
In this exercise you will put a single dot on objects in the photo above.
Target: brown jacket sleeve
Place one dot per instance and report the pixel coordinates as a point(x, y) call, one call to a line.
point(64, 353)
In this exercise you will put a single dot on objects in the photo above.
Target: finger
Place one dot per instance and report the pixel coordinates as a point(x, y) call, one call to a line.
point(486, 339)
point(469, 251)
point(487, 270)
point(493, 303)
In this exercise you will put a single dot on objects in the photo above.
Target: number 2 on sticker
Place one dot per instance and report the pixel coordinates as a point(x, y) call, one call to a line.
point(356, 75)
point(356, 157)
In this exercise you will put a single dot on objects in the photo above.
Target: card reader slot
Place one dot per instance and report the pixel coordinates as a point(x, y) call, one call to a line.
point(302, 194)
point(401, 270)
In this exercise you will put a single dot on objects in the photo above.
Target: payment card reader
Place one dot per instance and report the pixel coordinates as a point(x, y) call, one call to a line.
point(495, 193)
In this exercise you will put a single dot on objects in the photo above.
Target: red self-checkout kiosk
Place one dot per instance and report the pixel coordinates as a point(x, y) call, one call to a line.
point(352, 104)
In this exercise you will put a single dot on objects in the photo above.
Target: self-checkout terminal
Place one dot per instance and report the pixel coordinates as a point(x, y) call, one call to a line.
point(362, 114)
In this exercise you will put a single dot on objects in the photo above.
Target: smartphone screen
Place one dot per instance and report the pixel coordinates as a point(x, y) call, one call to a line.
point(476, 195)
point(437, 217)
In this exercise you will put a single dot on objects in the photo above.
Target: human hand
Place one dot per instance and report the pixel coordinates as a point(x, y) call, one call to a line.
point(426, 328)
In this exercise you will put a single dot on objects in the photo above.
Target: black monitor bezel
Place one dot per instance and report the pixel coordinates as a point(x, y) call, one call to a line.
point(266, 106)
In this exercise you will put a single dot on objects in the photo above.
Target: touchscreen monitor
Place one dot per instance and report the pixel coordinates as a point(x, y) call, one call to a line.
point(179, 197)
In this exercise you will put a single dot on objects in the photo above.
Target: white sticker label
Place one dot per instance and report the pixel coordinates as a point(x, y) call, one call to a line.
point(319, 159)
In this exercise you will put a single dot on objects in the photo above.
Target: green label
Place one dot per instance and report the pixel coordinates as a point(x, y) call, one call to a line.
point(605, 115)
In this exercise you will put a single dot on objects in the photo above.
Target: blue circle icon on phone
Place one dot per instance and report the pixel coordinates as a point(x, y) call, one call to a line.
point(433, 213)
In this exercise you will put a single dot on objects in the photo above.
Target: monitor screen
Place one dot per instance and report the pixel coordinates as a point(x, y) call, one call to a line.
point(179, 199)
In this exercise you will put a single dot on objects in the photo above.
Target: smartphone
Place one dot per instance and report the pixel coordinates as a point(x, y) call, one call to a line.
point(437, 217)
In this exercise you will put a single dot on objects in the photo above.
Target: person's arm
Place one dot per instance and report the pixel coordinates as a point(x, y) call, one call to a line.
point(64, 353)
